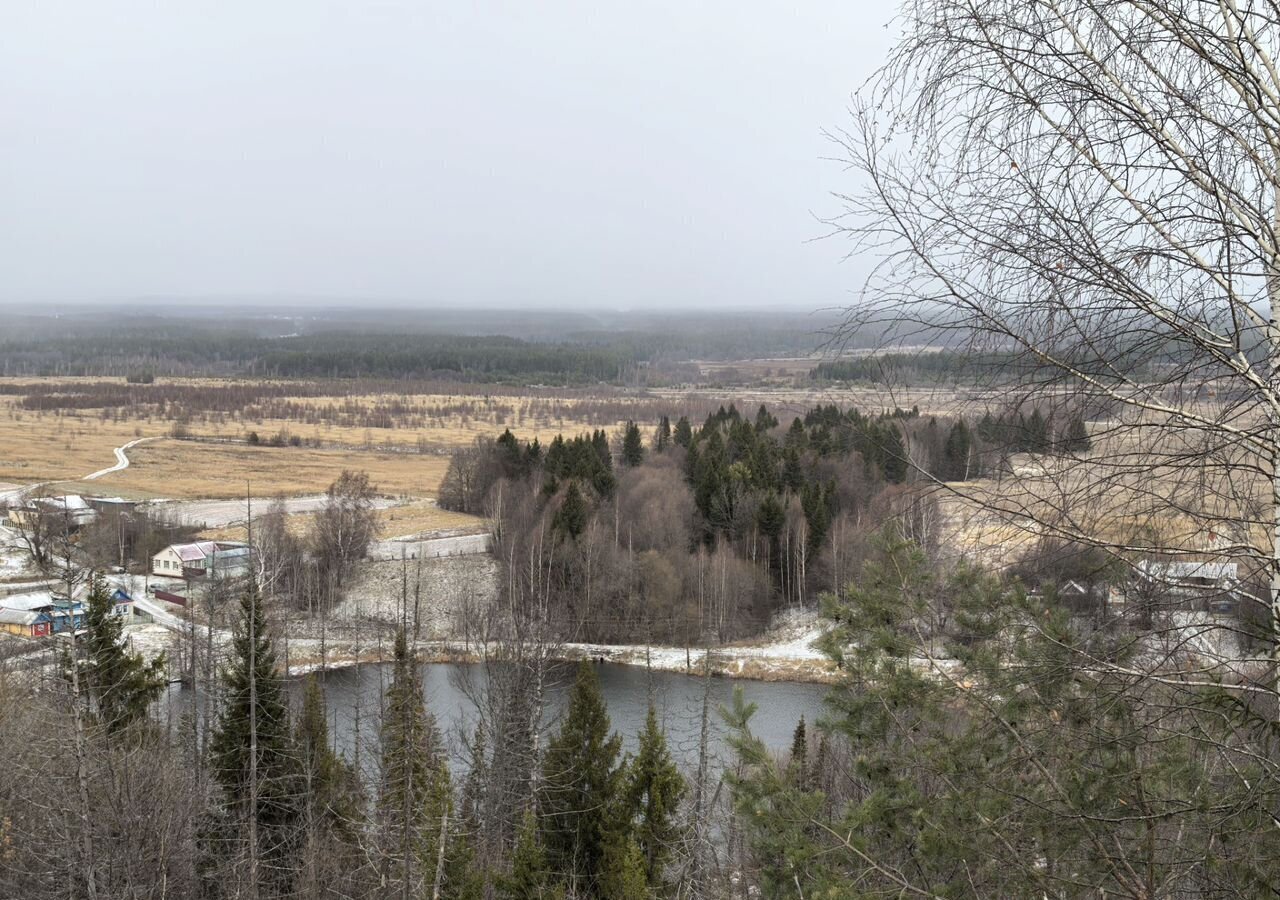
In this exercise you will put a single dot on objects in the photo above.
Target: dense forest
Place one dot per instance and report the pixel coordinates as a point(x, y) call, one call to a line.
point(519, 347)
point(694, 533)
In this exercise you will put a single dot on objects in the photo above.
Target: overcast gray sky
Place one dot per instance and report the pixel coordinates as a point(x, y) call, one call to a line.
point(551, 153)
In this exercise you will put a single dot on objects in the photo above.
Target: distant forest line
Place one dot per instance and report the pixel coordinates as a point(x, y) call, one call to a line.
point(518, 347)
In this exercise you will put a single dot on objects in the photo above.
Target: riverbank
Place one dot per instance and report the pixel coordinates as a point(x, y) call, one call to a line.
point(726, 662)
point(785, 653)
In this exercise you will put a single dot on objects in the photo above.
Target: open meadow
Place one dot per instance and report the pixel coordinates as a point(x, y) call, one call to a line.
point(208, 438)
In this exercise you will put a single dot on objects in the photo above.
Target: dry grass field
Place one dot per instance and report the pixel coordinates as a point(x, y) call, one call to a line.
point(1147, 487)
point(1118, 492)
point(193, 469)
point(406, 457)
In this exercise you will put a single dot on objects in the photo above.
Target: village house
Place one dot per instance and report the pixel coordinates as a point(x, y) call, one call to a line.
point(1182, 584)
point(223, 559)
point(25, 623)
point(56, 613)
point(72, 509)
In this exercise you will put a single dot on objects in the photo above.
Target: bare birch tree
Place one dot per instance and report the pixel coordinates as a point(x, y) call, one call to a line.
point(1084, 191)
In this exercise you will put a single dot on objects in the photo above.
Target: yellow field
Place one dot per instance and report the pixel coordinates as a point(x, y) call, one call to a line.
point(215, 462)
point(191, 469)
point(1146, 487)
point(408, 458)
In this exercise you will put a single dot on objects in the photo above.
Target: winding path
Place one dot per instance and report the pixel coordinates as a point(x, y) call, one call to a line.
point(122, 461)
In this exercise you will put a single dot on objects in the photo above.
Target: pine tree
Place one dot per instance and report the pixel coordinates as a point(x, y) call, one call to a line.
point(414, 795)
point(121, 686)
point(632, 446)
point(580, 785)
point(652, 794)
point(252, 753)
point(571, 517)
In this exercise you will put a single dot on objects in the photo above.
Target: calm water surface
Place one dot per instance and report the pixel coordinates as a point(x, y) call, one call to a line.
point(627, 691)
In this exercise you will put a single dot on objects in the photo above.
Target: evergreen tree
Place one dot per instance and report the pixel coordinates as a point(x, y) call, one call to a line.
point(580, 785)
point(796, 438)
point(333, 792)
point(798, 765)
point(624, 875)
point(1076, 439)
point(600, 442)
point(955, 453)
point(770, 516)
point(414, 794)
point(662, 438)
point(894, 455)
point(683, 434)
point(571, 517)
point(1035, 433)
point(121, 686)
point(252, 753)
point(530, 877)
point(477, 776)
point(632, 446)
point(652, 794)
point(792, 471)
point(764, 421)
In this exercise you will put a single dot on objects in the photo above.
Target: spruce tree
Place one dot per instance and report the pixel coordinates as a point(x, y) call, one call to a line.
point(252, 753)
point(530, 877)
point(956, 453)
point(632, 446)
point(414, 794)
point(765, 421)
point(581, 777)
point(600, 443)
point(624, 876)
point(798, 765)
point(332, 787)
point(1076, 439)
point(473, 787)
point(894, 455)
point(683, 436)
point(121, 686)
point(662, 439)
point(770, 516)
point(792, 471)
point(1036, 433)
point(652, 795)
point(571, 517)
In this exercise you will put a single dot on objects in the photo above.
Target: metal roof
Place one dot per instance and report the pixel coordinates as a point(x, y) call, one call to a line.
point(19, 617)
point(1182, 569)
point(26, 602)
point(193, 552)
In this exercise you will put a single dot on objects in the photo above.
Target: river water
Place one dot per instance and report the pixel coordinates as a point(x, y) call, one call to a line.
point(627, 690)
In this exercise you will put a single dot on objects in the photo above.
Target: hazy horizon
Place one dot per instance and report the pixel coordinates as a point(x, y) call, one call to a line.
point(558, 157)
